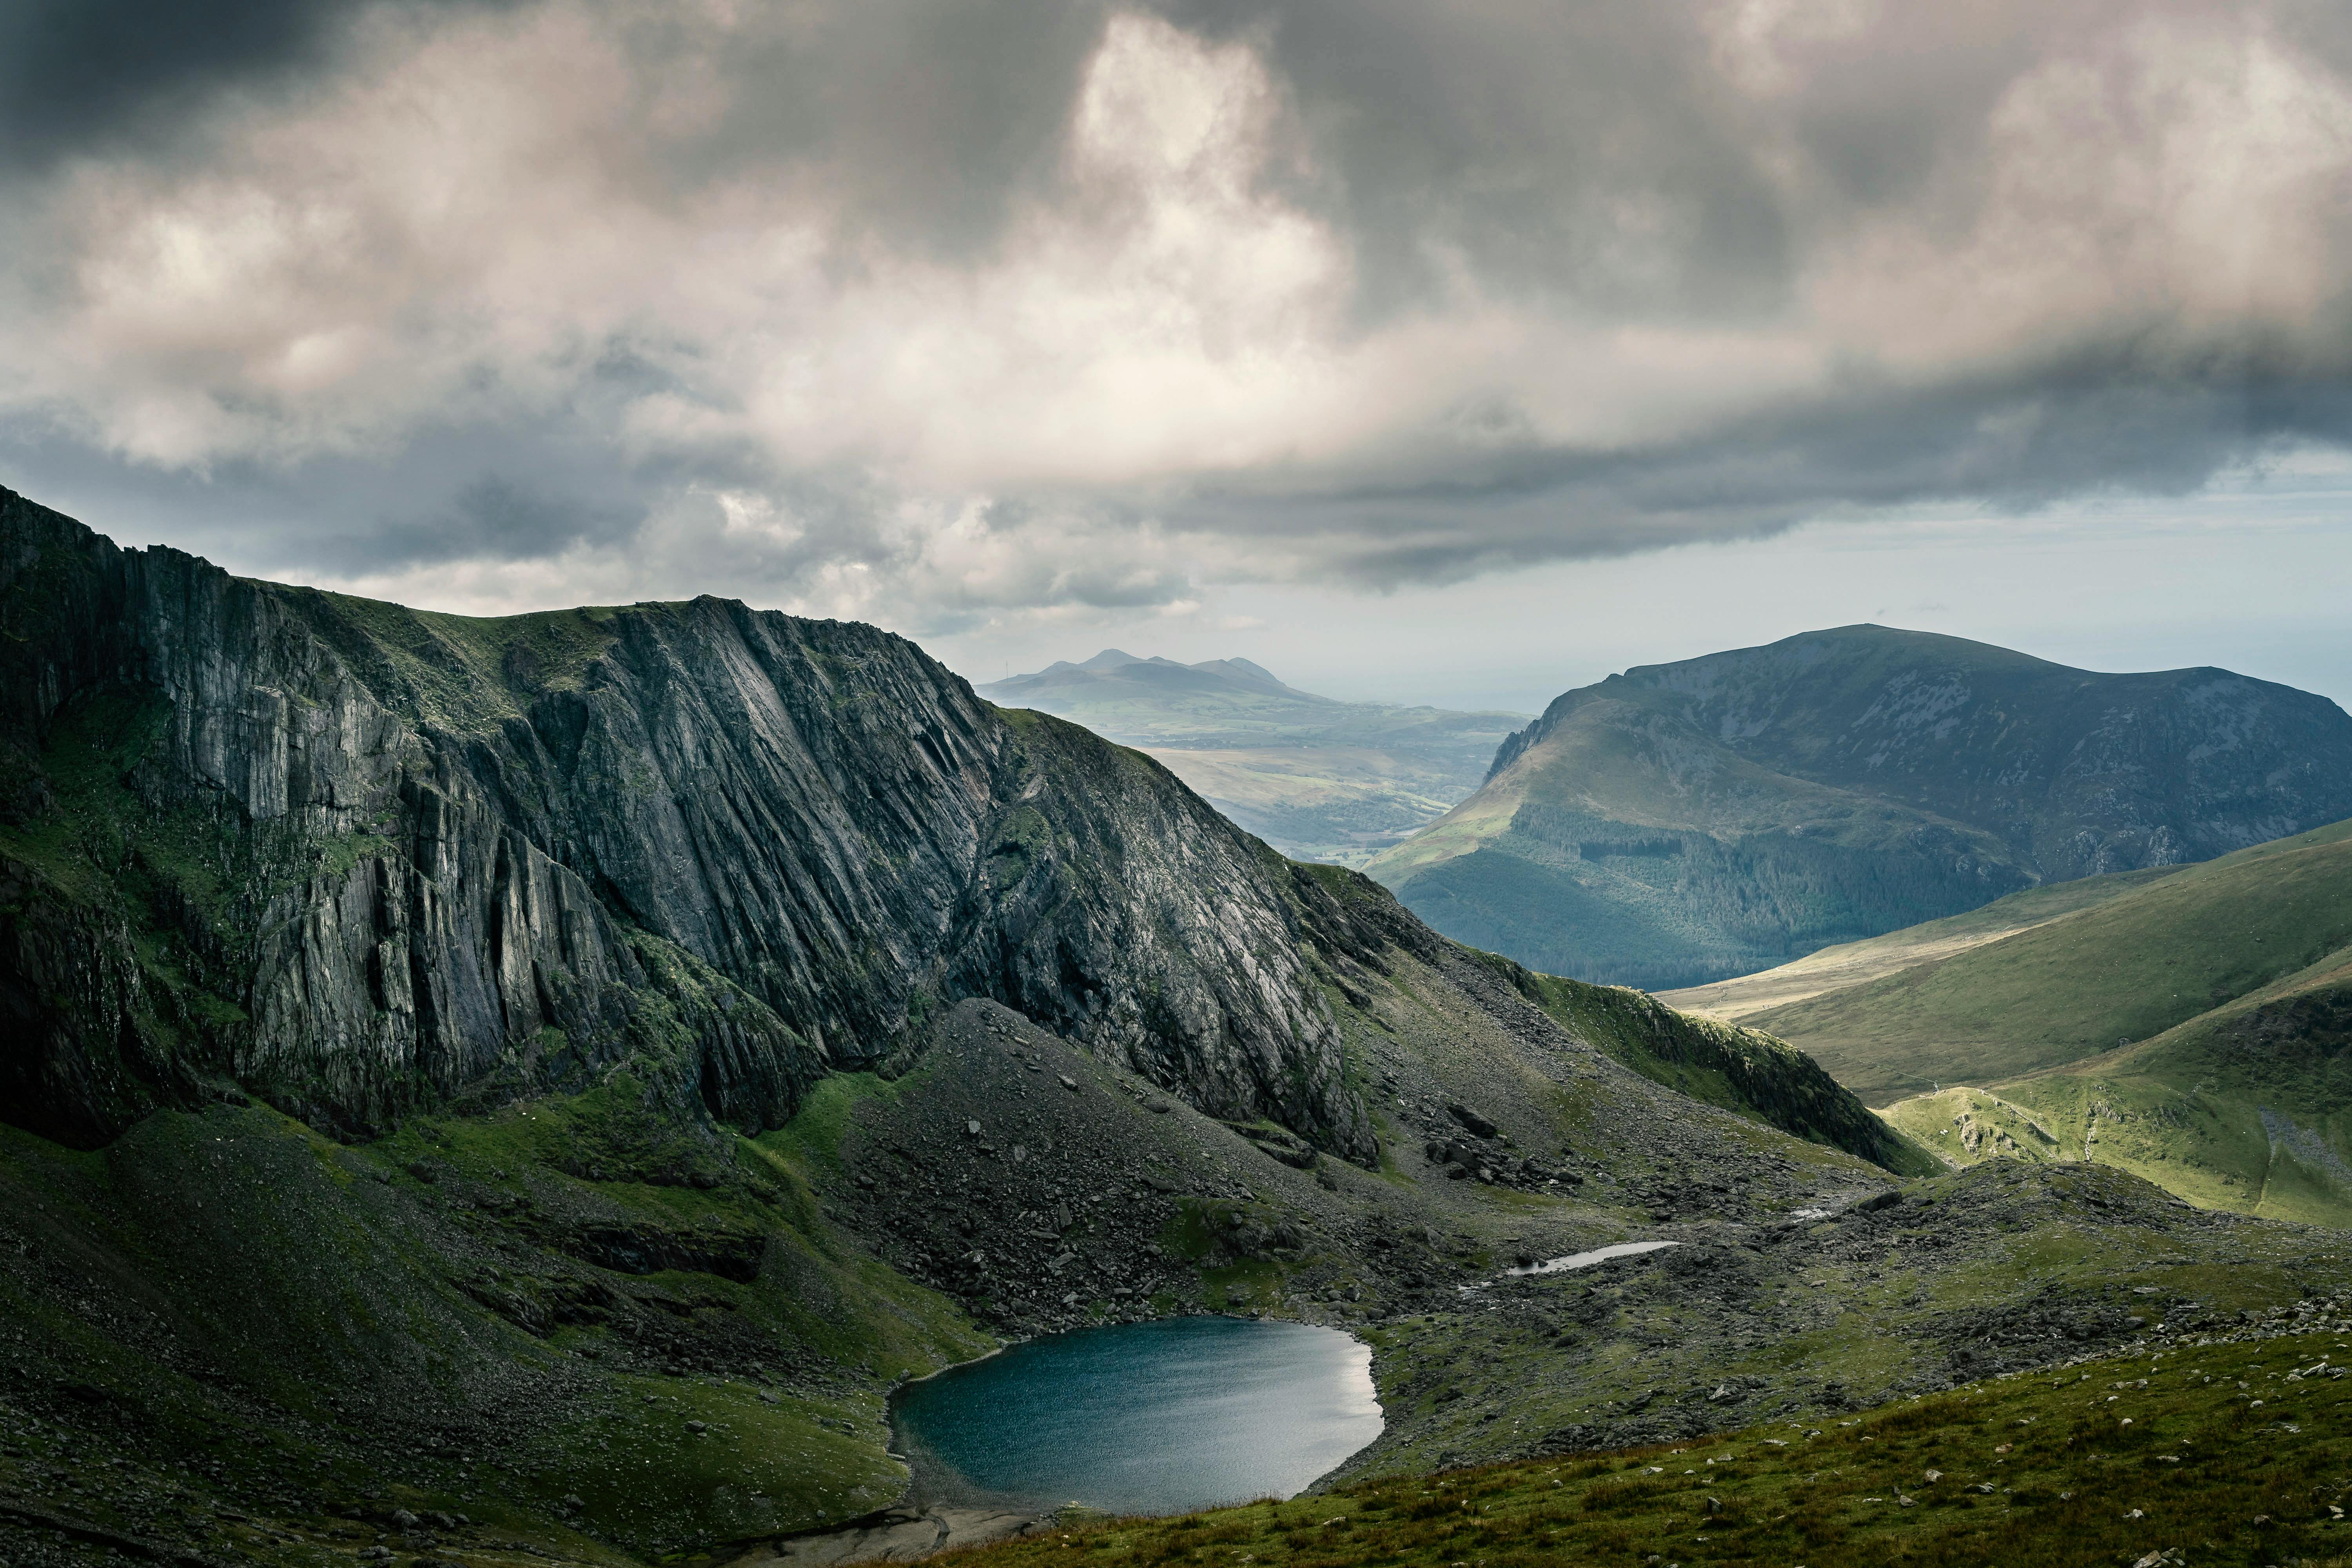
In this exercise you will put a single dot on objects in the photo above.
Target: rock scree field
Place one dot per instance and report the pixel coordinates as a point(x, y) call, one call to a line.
point(526, 1092)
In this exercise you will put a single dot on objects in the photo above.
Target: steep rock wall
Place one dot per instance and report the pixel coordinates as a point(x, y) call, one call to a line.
point(357, 856)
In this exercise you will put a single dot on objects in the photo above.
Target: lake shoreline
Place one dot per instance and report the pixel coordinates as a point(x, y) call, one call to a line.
point(1162, 1416)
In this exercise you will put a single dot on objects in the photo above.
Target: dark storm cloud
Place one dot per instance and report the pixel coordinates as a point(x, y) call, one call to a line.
point(930, 116)
point(1596, 150)
point(2104, 423)
point(86, 76)
point(1010, 302)
point(927, 118)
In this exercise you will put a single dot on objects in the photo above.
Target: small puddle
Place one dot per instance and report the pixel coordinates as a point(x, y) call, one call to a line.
point(1587, 1260)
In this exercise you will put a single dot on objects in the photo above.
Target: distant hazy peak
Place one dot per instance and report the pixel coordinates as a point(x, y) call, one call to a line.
point(1111, 661)
point(1244, 670)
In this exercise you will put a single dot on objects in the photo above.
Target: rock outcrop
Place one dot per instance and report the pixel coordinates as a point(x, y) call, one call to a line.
point(352, 856)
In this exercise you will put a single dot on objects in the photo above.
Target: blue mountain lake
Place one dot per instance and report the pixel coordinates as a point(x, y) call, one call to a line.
point(1156, 1417)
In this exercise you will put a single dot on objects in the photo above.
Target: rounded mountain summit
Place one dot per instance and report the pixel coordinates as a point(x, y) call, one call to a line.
point(1681, 823)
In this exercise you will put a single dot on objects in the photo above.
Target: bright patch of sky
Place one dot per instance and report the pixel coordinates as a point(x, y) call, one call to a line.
point(2250, 576)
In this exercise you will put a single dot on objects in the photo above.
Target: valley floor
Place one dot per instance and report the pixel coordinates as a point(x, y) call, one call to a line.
point(1887, 1319)
point(2225, 1442)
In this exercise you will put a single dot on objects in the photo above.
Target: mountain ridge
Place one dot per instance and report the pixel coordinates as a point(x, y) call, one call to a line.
point(1678, 823)
point(490, 845)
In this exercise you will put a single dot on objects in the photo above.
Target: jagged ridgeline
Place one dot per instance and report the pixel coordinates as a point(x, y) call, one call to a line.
point(355, 857)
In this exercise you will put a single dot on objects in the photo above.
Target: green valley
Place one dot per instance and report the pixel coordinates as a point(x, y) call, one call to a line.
point(530, 1090)
point(2188, 1026)
point(1317, 778)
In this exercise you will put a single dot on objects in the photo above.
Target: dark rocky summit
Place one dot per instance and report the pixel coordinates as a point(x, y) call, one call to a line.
point(355, 855)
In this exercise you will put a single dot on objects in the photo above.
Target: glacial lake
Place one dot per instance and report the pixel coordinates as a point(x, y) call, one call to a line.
point(1156, 1417)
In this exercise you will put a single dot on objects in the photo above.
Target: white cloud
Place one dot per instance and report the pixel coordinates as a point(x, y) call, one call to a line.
point(1160, 364)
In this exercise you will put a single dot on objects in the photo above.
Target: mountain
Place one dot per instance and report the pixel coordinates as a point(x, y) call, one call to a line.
point(480, 1090)
point(369, 856)
point(1212, 696)
point(1682, 822)
point(1316, 778)
point(2190, 1028)
point(359, 860)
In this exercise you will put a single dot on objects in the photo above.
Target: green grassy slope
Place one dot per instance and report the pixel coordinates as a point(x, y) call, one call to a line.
point(2213, 1450)
point(2190, 1028)
point(1857, 963)
point(2247, 1106)
point(2121, 970)
point(487, 1314)
point(1738, 1069)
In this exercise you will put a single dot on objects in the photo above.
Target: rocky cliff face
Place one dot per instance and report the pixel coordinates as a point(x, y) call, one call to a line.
point(349, 857)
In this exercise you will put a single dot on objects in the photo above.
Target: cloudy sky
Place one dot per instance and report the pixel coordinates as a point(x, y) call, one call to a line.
point(1448, 352)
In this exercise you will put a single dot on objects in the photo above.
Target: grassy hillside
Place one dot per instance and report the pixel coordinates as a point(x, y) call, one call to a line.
point(2121, 970)
point(1857, 962)
point(2195, 1448)
point(1739, 1070)
point(2190, 1027)
point(2247, 1107)
point(470, 1315)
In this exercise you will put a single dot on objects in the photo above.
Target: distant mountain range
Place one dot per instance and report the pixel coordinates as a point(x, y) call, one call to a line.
point(1682, 823)
point(1317, 778)
point(1206, 688)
